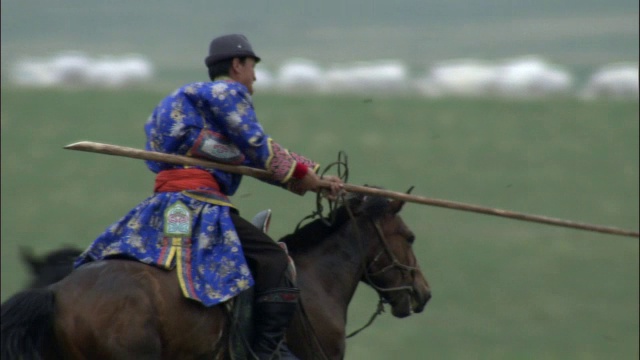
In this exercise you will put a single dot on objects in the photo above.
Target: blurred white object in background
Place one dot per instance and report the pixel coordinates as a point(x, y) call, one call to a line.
point(299, 74)
point(530, 76)
point(136, 69)
point(458, 77)
point(616, 81)
point(76, 69)
point(264, 79)
point(117, 72)
point(71, 68)
point(381, 76)
point(105, 72)
point(32, 72)
point(522, 77)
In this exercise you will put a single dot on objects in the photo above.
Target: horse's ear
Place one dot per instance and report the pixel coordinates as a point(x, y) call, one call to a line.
point(27, 256)
point(396, 205)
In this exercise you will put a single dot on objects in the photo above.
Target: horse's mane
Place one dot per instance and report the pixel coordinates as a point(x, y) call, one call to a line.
point(312, 233)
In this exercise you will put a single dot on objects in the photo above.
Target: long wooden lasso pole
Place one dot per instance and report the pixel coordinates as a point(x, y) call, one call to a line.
point(116, 150)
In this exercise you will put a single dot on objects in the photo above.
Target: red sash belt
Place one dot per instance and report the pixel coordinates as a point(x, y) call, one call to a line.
point(175, 180)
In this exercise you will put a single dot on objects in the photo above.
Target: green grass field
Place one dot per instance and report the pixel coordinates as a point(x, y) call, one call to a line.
point(503, 289)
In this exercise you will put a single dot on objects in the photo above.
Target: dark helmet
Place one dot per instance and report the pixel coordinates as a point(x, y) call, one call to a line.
point(229, 46)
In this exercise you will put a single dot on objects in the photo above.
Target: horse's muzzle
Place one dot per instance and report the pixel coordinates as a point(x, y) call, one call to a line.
point(410, 302)
point(419, 300)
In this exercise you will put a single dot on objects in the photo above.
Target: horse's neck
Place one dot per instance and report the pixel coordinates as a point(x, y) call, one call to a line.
point(335, 267)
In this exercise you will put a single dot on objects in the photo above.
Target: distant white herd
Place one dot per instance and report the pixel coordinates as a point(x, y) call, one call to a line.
point(522, 77)
point(76, 69)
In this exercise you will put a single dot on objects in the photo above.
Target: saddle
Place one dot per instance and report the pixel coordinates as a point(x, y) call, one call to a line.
point(262, 220)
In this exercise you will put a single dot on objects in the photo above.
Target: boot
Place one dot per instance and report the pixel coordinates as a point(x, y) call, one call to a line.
point(274, 310)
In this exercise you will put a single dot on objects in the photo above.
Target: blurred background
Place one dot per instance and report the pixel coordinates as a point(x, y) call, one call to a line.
point(434, 48)
point(526, 106)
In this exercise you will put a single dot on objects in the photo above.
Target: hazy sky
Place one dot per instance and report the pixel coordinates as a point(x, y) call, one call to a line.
point(176, 34)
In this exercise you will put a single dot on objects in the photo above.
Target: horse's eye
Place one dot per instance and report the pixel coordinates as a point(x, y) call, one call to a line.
point(411, 238)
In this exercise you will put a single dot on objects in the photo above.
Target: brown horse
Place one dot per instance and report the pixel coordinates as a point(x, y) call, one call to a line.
point(122, 309)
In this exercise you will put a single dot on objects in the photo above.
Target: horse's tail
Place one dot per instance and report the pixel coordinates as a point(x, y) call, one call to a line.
point(27, 324)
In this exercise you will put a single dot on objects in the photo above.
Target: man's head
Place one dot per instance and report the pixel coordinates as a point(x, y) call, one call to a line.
point(232, 55)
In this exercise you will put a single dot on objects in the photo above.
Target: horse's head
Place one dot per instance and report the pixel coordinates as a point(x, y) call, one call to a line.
point(50, 268)
point(391, 267)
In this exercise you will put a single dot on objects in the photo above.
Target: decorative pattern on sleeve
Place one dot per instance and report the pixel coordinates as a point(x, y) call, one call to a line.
point(280, 162)
point(303, 160)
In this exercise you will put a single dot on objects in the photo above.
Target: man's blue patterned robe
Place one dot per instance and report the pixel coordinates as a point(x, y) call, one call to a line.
point(192, 230)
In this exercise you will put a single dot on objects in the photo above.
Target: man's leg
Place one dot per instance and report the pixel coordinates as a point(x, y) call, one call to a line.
point(276, 298)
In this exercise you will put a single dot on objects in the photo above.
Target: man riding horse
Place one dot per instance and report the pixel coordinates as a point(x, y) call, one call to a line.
point(189, 223)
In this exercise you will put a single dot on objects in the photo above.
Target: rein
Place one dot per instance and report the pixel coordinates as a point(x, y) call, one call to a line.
point(343, 173)
point(394, 263)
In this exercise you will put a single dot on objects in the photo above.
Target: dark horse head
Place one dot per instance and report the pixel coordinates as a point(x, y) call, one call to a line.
point(391, 267)
point(51, 267)
point(369, 231)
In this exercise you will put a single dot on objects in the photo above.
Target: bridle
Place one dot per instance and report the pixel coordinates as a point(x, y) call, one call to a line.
point(343, 173)
point(395, 264)
point(368, 275)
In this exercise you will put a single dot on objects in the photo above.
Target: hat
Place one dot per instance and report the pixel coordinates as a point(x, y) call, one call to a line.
point(229, 46)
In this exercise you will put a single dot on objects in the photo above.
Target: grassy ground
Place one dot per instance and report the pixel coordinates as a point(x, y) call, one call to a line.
point(503, 289)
